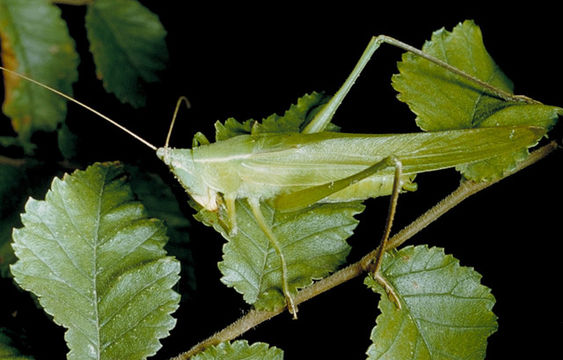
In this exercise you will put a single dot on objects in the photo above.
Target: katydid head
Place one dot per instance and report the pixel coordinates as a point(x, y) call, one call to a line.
point(182, 165)
point(184, 168)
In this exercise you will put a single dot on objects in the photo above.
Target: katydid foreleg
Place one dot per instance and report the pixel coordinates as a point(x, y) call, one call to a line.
point(263, 224)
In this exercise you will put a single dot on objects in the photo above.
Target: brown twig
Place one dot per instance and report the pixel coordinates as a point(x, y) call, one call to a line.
point(10, 161)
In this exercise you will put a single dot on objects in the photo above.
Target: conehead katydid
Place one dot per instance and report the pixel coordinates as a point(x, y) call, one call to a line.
point(298, 169)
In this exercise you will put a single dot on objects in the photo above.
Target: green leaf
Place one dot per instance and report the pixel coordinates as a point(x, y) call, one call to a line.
point(7, 349)
point(7, 256)
point(127, 41)
point(12, 179)
point(68, 142)
point(240, 350)
point(293, 120)
point(445, 312)
point(313, 242)
point(35, 42)
point(443, 100)
point(97, 265)
point(12, 190)
point(7, 141)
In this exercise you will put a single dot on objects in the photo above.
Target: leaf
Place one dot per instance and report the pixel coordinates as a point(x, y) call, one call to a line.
point(7, 256)
point(97, 265)
point(7, 349)
point(232, 128)
point(445, 311)
point(12, 179)
point(13, 185)
point(313, 242)
point(240, 350)
point(127, 41)
point(35, 42)
point(293, 120)
point(443, 100)
point(7, 141)
point(68, 142)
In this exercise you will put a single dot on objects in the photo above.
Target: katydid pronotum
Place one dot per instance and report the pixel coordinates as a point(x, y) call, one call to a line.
point(292, 171)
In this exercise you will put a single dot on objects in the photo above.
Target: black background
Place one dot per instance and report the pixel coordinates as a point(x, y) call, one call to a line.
point(250, 61)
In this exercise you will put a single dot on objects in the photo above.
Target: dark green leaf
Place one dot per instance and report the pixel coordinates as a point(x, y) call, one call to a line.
point(313, 242)
point(127, 41)
point(12, 191)
point(68, 142)
point(293, 120)
point(7, 141)
point(231, 128)
point(35, 42)
point(443, 100)
point(240, 350)
point(7, 349)
point(97, 265)
point(7, 257)
point(12, 180)
point(445, 312)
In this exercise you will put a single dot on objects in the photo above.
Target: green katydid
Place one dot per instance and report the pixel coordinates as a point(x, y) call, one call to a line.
point(296, 170)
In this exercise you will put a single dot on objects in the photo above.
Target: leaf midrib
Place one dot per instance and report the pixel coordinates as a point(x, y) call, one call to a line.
point(95, 261)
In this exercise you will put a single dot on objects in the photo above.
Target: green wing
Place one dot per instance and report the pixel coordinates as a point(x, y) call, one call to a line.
point(300, 169)
point(353, 159)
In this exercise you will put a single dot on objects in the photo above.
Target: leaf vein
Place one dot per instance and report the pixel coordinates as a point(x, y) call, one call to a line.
point(451, 325)
point(129, 300)
point(55, 239)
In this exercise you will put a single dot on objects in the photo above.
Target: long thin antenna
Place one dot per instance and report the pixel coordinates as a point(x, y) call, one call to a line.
point(83, 105)
point(181, 99)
